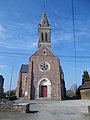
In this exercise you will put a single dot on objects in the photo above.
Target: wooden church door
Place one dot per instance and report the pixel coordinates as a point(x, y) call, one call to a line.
point(43, 91)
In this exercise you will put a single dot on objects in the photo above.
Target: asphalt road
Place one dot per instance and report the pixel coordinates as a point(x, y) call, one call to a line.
point(52, 110)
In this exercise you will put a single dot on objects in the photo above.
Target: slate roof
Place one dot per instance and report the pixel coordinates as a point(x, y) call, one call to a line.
point(24, 68)
point(85, 86)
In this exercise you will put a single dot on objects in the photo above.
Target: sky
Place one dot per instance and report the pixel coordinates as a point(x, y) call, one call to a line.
point(19, 21)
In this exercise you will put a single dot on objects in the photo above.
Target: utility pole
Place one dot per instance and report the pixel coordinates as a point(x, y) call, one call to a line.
point(11, 81)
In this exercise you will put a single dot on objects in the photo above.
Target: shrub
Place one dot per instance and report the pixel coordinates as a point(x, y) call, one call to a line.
point(13, 97)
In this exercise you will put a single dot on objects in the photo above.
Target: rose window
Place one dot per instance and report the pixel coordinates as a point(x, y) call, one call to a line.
point(44, 66)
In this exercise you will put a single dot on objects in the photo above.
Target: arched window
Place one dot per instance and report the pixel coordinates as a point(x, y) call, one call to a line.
point(46, 36)
point(41, 36)
point(44, 52)
point(25, 80)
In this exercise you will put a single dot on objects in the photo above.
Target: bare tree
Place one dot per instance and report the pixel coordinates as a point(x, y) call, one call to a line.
point(74, 88)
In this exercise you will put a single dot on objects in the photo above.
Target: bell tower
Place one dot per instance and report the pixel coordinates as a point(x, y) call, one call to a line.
point(44, 32)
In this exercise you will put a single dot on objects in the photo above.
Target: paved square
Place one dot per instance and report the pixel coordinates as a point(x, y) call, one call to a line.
point(52, 110)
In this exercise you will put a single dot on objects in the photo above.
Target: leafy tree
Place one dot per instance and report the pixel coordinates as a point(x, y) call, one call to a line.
point(85, 77)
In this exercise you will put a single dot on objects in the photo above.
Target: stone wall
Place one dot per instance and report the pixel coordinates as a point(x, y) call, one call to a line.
point(10, 107)
point(85, 94)
point(20, 91)
point(6, 107)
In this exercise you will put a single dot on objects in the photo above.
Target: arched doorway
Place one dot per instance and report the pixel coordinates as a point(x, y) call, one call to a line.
point(44, 88)
point(43, 91)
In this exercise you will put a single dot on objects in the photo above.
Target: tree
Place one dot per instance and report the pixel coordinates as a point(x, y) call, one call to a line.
point(74, 88)
point(85, 77)
point(78, 93)
point(71, 93)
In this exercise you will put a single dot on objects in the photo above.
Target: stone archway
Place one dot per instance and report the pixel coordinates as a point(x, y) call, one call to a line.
point(44, 88)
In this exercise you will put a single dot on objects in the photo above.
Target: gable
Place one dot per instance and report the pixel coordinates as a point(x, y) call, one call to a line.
point(44, 51)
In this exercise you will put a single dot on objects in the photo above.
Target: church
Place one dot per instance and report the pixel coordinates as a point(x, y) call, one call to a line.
point(42, 77)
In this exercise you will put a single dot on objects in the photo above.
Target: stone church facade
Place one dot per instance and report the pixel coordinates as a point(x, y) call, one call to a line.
point(43, 77)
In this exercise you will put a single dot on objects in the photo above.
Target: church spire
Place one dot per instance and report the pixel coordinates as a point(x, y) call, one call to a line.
point(44, 31)
point(44, 20)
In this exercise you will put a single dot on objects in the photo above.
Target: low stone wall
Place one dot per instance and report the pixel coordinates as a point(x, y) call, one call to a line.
point(85, 94)
point(7, 107)
point(22, 107)
point(10, 107)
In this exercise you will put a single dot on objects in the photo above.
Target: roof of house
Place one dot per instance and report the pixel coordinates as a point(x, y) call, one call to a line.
point(24, 68)
point(85, 85)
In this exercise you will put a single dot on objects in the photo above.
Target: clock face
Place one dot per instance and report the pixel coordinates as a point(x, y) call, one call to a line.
point(44, 66)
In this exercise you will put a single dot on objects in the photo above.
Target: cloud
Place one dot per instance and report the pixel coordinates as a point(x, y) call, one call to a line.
point(17, 13)
point(24, 26)
point(18, 36)
point(34, 44)
point(10, 45)
point(63, 31)
point(2, 30)
point(3, 66)
point(24, 36)
point(80, 49)
point(25, 45)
